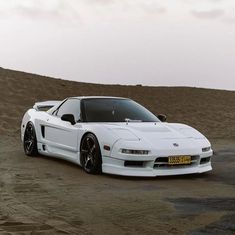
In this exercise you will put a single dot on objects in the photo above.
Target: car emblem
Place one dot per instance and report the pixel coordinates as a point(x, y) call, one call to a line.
point(176, 145)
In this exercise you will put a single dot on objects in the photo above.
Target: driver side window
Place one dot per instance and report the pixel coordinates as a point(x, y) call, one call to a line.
point(70, 106)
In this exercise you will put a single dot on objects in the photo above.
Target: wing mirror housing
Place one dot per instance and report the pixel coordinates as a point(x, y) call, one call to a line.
point(162, 117)
point(68, 118)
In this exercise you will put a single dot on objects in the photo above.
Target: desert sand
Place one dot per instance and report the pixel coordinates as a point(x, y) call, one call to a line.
point(48, 196)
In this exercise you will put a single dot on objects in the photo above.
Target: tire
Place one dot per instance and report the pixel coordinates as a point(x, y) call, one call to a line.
point(90, 155)
point(30, 140)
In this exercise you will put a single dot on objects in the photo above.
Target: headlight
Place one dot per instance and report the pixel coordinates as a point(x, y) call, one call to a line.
point(206, 149)
point(137, 152)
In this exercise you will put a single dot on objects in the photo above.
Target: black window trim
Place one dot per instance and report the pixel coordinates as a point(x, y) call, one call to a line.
point(55, 112)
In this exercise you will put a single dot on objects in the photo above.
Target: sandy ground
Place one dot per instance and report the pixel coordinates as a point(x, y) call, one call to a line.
point(48, 196)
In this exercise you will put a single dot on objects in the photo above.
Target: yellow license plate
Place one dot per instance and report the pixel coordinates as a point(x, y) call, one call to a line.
point(178, 160)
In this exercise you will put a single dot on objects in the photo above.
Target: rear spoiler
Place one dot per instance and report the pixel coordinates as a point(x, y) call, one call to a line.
point(46, 105)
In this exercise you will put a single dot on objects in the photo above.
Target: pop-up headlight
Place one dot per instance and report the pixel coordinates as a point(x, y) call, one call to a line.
point(136, 152)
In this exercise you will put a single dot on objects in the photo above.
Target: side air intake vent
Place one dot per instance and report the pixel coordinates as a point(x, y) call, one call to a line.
point(43, 131)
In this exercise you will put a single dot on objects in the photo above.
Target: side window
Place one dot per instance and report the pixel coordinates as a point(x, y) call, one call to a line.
point(71, 106)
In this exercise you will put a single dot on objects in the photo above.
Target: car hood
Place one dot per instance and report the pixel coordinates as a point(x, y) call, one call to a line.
point(153, 131)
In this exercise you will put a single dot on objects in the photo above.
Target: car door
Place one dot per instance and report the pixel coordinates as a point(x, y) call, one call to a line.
point(61, 136)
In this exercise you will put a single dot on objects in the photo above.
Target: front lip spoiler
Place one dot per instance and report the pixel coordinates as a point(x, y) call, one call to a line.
point(150, 172)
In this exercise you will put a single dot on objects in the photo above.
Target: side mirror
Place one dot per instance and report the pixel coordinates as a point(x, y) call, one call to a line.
point(68, 118)
point(162, 117)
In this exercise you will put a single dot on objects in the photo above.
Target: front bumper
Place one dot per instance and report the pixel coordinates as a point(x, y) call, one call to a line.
point(116, 165)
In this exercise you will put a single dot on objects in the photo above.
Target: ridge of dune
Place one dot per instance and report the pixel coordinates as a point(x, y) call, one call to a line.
point(210, 111)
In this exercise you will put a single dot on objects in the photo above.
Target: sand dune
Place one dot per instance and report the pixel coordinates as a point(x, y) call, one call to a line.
point(210, 111)
point(48, 196)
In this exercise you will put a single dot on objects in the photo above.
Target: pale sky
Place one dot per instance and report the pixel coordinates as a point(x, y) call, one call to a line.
point(149, 42)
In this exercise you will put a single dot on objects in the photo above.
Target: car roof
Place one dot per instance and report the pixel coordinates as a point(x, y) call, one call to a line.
point(98, 97)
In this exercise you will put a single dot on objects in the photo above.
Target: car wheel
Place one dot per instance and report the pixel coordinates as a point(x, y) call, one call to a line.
point(90, 156)
point(30, 140)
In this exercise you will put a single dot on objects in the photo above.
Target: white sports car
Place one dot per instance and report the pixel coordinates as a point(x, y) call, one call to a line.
point(114, 135)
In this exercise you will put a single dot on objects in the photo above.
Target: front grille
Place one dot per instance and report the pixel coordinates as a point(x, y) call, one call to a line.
point(162, 162)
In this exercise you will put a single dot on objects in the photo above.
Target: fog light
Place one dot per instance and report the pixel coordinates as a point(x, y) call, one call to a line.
point(137, 152)
point(206, 149)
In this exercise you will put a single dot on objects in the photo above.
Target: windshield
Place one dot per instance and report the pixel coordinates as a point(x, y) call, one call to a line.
point(116, 110)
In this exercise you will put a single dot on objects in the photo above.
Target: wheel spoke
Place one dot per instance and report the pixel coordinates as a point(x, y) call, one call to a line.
point(88, 143)
point(27, 133)
point(85, 151)
point(88, 159)
point(92, 149)
point(30, 144)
